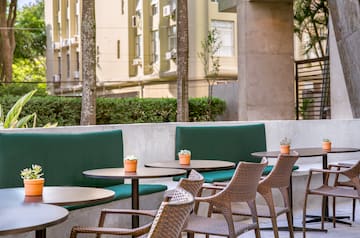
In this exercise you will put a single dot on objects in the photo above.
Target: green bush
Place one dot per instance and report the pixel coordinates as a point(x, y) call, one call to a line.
point(66, 111)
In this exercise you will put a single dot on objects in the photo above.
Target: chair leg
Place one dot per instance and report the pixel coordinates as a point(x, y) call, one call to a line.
point(334, 212)
point(323, 212)
point(353, 210)
point(257, 232)
point(304, 216)
point(290, 224)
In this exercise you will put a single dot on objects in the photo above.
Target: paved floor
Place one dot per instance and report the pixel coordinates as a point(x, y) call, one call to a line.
point(341, 231)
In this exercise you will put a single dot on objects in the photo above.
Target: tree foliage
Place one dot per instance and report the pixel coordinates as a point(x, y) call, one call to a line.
point(30, 34)
point(311, 21)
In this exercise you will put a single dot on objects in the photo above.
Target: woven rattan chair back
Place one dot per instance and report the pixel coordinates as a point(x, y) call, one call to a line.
point(280, 175)
point(193, 183)
point(172, 215)
point(243, 185)
point(353, 174)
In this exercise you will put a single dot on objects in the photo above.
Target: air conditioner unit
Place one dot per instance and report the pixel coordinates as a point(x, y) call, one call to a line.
point(166, 10)
point(56, 78)
point(56, 45)
point(168, 55)
point(65, 42)
point(134, 21)
point(75, 39)
point(137, 61)
point(76, 74)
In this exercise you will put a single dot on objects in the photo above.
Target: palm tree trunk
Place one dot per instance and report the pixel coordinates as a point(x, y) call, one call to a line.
point(182, 61)
point(88, 48)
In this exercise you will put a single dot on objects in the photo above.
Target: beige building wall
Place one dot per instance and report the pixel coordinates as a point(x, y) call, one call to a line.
point(135, 55)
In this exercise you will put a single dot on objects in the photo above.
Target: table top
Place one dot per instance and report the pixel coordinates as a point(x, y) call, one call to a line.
point(24, 217)
point(58, 195)
point(116, 173)
point(306, 152)
point(199, 165)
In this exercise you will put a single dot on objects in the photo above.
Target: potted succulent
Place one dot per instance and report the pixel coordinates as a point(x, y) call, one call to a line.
point(285, 145)
point(130, 163)
point(33, 183)
point(184, 157)
point(326, 144)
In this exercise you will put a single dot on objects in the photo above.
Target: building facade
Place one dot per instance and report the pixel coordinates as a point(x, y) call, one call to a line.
point(136, 46)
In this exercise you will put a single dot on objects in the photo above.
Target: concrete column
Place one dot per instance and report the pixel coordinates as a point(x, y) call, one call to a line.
point(346, 22)
point(265, 60)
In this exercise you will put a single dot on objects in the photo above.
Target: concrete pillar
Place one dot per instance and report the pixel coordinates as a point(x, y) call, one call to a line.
point(265, 60)
point(346, 21)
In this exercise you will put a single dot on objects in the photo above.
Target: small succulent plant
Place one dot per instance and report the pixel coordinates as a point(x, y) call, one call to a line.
point(326, 140)
point(285, 141)
point(130, 157)
point(35, 172)
point(184, 152)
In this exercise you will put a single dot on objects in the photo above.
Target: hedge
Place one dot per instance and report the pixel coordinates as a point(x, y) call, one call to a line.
point(67, 110)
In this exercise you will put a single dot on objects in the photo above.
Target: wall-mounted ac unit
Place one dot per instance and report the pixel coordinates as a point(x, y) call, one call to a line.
point(134, 21)
point(76, 74)
point(137, 61)
point(65, 42)
point(168, 55)
point(75, 39)
point(56, 78)
point(166, 10)
point(56, 45)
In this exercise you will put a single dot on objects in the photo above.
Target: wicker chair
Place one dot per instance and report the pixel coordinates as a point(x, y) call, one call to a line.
point(346, 183)
point(279, 178)
point(241, 188)
point(168, 222)
point(326, 190)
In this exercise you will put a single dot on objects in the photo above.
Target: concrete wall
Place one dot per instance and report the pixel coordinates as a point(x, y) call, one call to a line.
point(156, 141)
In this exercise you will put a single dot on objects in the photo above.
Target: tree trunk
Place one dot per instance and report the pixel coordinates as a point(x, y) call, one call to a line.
point(7, 39)
point(88, 48)
point(182, 61)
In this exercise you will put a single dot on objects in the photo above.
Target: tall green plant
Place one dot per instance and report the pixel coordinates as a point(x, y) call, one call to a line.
point(12, 117)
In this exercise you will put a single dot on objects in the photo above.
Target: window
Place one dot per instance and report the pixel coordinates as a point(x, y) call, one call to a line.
point(172, 38)
point(225, 31)
point(154, 7)
point(68, 65)
point(155, 46)
point(138, 46)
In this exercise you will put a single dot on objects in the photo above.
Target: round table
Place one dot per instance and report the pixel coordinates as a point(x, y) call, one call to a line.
point(141, 173)
point(199, 165)
point(23, 217)
point(27, 213)
point(60, 195)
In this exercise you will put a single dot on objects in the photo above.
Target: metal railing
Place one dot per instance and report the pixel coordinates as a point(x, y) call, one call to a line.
point(312, 89)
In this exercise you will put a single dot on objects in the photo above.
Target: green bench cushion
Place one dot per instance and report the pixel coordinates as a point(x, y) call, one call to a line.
point(230, 143)
point(226, 175)
point(123, 191)
point(63, 156)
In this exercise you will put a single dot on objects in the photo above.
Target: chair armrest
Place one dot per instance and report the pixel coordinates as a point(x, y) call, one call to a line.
point(111, 231)
point(328, 171)
point(151, 213)
point(220, 184)
point(213, 186)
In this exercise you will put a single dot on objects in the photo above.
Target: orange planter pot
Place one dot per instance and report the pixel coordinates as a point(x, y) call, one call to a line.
point(34, 187)
point(130, 165)
point(184, 159)
point(326, 145)
point(284, 149)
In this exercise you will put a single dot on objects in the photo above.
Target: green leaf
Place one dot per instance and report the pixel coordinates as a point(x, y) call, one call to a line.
point(13, 114)
point(22, 123)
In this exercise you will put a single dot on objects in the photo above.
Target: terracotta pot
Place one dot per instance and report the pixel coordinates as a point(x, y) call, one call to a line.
point(130, 165)
point(34, 187)
point(184, 159)
point(326, 145)
point(285, 149)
